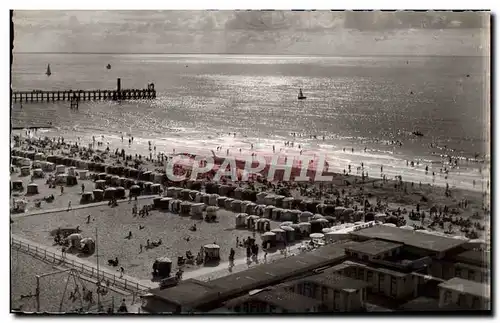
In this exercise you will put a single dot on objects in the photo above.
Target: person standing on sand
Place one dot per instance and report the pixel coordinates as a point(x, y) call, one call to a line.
point(83, 188)
point(62, 190)
point(69, 206)
point(88, 219)
point(121, 272)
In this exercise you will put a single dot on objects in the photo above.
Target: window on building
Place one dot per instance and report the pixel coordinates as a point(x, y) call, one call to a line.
point(361, 274)
point(272, 308)
point(300, 288)
point(471, 275)
point(237, 308)
point(462, 300)
point(447, 297)
point(336, 300)
point(475, 302)
point(324, 293)
point(458, 272)
point(365, 258)
point(245, 307)
point(307, 289)
point(394, 286)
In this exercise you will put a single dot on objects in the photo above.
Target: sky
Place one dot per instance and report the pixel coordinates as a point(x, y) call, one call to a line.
point(254, 32)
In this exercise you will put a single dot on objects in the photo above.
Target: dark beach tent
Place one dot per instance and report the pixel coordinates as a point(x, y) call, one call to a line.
point(205, 198)
point(231, 189)
point(330, 219)
point(155, 188)
point(109, 193)
point(71, 180)
point(164, 203)
point(100, 184)
point(134, 173)
point(185, 208)
point(30, 155)
point(279, 200)
point(86, 198)
point(162, 267)
point(120, 192)
point(17, 185)
point(196, 185)
point(316, 226)
point(129, 183)
point(102, 176)
point(238, 193)
point(98, 195)
point(156, 202)
point(185, 194)
point(192, 194)
point(369, 216)
point(211, 188)
point(115, 180)
point(135, 190)
point(296, 204)
point(120, 170)
point(144, 176)
point(91, 166)
point(236, 206)
point(32, 189)
point(121, 181)
point(221, 201)
point(100, 167)
point(223, 190)
point(147, 188)
point(108, 179)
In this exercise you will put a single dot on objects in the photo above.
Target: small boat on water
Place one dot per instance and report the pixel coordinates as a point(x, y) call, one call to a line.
point(108, 66)
point(48, 71)
point(418, 133)
point(301, 95)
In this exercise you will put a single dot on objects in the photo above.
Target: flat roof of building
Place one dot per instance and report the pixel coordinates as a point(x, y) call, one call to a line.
point(475, 257)
point(284, 299)
point(195, 293)
point(426, 304)
point(411, 238)
point(374, 247)
point(278, 271)
point(379, 269)
point(336, 282)
point(185, 293)
point(467, 286)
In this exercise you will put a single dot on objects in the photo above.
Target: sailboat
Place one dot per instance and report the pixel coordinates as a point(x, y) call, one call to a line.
point(48, 70)
point(301, 95)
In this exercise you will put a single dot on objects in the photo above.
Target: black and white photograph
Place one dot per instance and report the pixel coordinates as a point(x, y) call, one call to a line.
point(250, 162)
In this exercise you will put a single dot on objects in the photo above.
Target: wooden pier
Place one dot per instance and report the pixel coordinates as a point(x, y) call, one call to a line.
point(86, 95)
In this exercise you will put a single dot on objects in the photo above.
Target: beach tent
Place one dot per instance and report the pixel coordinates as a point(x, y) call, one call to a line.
point(261, 198)
point(100, 184)
point(286, 203)
point(268, 211)
point(185, 208)
point(25, 171)
point(305, 216)
point(221, 201)
point(71, 170)
point(60, 169)
point(155, 188)
point(120, 192)
point(135, 190)
point(61, 179)
point(212, 211)
point(197, 209)
point(238, 193)
point(270, 199)
point(227, 203)
point(236, 206)
point(32, 189)
point(109, 193)
point(71, 180)
point(83, 174)
point(280, 234)
point(240, 220)
point(86, 198)
point(276, 214)
point(251, 208)
point(305, 228)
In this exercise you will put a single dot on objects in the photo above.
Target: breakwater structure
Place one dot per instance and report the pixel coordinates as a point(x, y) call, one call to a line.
point(85, 95)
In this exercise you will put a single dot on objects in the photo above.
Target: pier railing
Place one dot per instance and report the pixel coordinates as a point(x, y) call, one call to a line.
point(86, 270)
point(83, 95)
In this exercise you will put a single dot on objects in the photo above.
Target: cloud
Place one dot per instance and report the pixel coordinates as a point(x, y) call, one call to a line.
point(272, 32)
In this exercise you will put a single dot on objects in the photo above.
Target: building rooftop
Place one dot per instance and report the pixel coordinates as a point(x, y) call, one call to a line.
point(186, 293)
point(467, 286)
point(426, 304)
point(337, 282)
point(475, 257)
point(289, 301)
point(374, 247)
point(379, 269)
point(194, 293)
point(280, 270)
point(420, 240)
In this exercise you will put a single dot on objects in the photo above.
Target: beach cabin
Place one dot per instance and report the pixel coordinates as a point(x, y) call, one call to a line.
point(61, 179)
point(185, 208)
point(83, 174)
point(25, 171)
point(32, 189)
point(100, 184)
point(251, 208)
point(120, 192)
point(238, 193)
point(221, 201)
point(212, 211)
point(135, 190)
point(287, 203)
point(289, 233)
point(197, 210)
point(305, 216)
point(236, 206)
point(251, 221)
point(305, 228)
point(268, 239)
point(60, 169)
point(261, 198)
point(86, 198)
point(263, 225)
point(155, 189)
point(241, 220)
point(270, 199)
point(98, 195)
point(72, 171)
point(280, 235)
point(212, 200)
point(109, 193)
point(268, 211)
point(227, 203)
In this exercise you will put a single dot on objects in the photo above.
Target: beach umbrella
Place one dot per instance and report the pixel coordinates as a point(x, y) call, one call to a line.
point(407, 227)
point(322, 220)
point(269, 234)
point(286, 228)
point(241, 215)
point(316, 236)
point(252, 217)
point(286, 223)
point(277, 230)
point(304, 224)
point(326, 230)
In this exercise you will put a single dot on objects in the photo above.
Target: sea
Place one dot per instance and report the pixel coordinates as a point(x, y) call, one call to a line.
point(369, 106)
